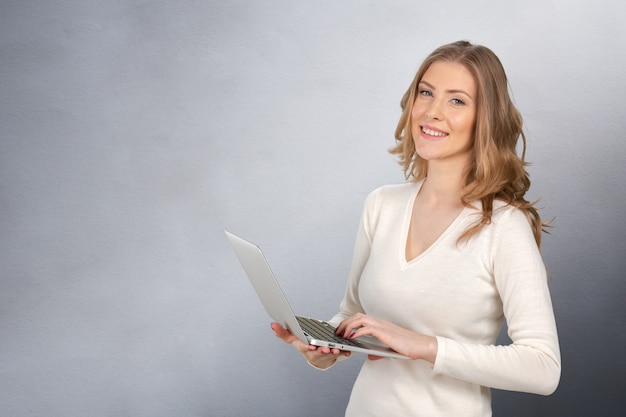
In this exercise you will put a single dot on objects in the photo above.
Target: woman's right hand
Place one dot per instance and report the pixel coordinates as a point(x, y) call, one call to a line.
point(320, 357)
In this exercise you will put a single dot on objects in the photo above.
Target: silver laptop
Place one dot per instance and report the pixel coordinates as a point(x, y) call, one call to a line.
point(310, 331)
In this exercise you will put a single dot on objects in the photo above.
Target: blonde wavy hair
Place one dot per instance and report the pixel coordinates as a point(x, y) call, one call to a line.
point(495, 171)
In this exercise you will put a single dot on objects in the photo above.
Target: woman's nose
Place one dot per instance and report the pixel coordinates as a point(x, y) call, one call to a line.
point(434, 111)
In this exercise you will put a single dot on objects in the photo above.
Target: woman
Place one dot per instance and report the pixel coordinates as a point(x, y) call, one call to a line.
point(440, 261)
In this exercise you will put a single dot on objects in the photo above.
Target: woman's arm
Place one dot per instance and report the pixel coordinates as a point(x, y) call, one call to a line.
point(532, 363)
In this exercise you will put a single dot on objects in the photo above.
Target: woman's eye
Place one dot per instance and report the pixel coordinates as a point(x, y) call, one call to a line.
point(458, 101)
point(425, 93)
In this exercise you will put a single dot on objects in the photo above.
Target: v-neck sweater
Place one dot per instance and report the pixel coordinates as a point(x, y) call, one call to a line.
point(459, 292)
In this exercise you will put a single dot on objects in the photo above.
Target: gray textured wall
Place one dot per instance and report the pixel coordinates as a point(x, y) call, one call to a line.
point(133, 132)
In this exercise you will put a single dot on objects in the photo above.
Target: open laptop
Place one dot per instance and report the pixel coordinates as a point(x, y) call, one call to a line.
point(310, 331)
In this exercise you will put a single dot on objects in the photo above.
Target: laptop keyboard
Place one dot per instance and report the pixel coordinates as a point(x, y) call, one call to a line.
point(323, 331)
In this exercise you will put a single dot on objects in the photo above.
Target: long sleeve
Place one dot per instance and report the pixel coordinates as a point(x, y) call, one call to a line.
point(532, 362)
point(351, 304)
point(459, 292)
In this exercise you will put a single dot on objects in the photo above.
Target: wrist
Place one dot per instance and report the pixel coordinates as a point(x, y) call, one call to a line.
point(323, 367)
point(425, 348)
point(432, 347)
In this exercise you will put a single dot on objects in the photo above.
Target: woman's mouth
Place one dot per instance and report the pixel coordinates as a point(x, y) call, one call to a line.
point(435, 133)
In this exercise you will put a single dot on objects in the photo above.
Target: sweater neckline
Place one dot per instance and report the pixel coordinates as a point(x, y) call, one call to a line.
point(406, 225)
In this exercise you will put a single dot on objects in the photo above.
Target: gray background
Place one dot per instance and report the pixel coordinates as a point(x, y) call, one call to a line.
point(134, 132)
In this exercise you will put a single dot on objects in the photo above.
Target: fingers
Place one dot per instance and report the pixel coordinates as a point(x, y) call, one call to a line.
point(344, 325)
point(287, 337)
point(282, 333)
point(324, 350)
point(350, 327)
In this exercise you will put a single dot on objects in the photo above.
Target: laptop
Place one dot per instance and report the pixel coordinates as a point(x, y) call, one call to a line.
point(310, 331)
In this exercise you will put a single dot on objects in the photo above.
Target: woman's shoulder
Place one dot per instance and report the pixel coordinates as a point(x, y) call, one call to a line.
point(395, 191)
point(505, 212)
point(390, 198)
point(387, 203)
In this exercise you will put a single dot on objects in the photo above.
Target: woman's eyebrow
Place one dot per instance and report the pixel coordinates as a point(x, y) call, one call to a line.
point(453, 91)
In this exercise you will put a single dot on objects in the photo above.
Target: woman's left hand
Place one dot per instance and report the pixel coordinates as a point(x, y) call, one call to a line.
point(404, 341)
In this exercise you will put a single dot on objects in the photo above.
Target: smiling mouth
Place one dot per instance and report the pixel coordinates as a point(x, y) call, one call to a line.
point(435, 133)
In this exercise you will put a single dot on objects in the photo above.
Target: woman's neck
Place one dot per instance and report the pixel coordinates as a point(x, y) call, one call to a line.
point(443, 184)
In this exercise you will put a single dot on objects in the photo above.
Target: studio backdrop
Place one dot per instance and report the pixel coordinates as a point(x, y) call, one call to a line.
point(133, 133)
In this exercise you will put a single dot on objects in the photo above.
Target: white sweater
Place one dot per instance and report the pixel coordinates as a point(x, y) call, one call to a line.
point(460, 293)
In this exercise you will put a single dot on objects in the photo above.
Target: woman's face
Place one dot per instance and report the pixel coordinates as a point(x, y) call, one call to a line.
point(444, 113)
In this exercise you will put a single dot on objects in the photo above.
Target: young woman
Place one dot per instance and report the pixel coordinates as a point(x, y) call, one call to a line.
point(442, 260)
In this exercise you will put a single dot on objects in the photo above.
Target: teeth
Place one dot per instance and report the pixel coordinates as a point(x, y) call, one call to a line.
point(433, 132)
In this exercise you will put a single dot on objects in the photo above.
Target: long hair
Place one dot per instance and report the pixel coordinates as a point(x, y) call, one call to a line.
point(495, 170)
